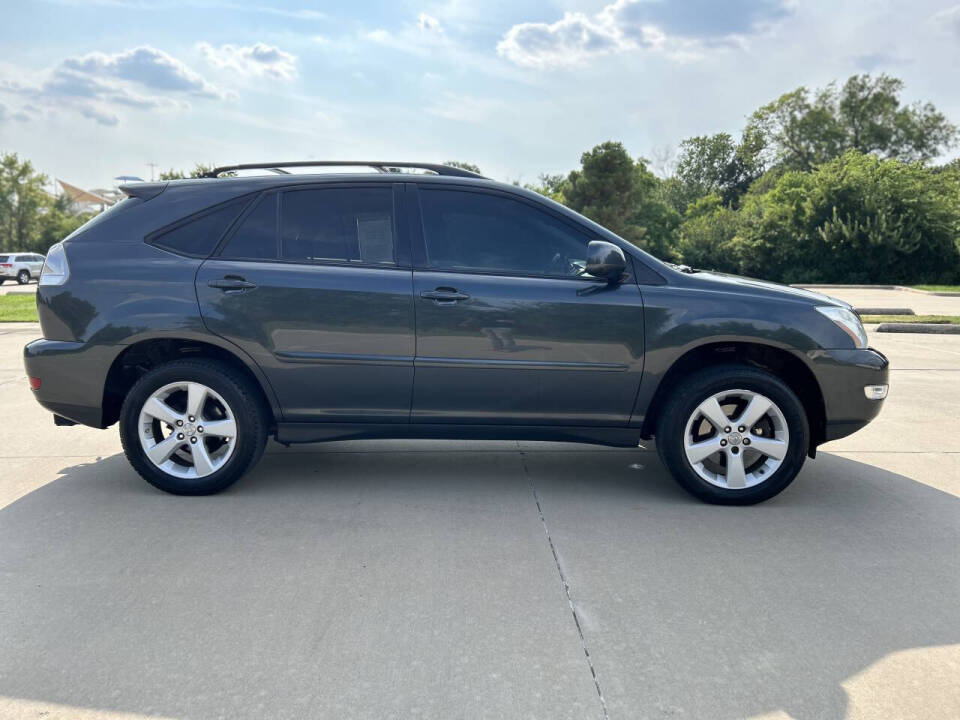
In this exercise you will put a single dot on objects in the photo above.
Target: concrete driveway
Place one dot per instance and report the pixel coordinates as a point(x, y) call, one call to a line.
point(468, 580)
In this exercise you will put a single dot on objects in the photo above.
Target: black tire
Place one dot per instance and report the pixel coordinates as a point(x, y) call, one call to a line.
point(23, 277)
point(238, 392)
point(693, 390)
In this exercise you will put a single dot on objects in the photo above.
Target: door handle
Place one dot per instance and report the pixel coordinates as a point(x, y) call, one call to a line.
point(233, 283)
point(444, 295)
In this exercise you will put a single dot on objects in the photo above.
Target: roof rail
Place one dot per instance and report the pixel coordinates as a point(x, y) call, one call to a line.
point(381, 167)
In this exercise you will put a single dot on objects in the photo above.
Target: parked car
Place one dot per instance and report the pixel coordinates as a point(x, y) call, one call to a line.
point(21, 267)
point(207, 315)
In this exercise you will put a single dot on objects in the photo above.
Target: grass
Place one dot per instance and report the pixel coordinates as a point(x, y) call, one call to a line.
point(938, 288)
point(18, 308)
point(935, 319)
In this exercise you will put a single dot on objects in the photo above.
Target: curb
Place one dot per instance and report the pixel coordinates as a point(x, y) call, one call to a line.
point(923, 328)
point(876, 287)
point(884, 311)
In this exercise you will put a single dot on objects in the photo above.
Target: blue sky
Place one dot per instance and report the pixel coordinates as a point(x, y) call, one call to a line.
point(91, 90)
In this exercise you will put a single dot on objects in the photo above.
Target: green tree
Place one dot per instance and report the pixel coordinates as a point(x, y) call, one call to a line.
point(858, 218)
point(22, 199)
point(464, 166)
point(706, 237)
point(199, 170)
point(624, 196)
point(551, 186)
point(31, 220)
point(801, 131)
point(56, 222)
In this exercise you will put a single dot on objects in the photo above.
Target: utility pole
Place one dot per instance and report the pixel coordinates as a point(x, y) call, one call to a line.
point(151, 166)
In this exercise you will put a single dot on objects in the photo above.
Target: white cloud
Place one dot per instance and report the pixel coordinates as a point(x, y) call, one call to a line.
point(104, 118)
point(949, 18)
point(97, 85)
point(682, 30)
point(258, 60)
point(573, 39)
point(428, 23)
point(465, 108)
point(145, 66)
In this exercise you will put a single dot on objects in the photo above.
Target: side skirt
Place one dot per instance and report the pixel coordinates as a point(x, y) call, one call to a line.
point(289, 433)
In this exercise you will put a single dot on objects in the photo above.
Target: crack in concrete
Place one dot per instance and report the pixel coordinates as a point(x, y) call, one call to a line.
point(566, 587)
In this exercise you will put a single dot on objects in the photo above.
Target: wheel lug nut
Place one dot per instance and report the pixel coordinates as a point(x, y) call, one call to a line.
point(193, 440)
point(726, 429)
point(179, 436)
point(746, 441)
point(200, 428)
point(723, 443)
point(735, 450)
point(179, 423)
point(191, 418)
point(741, 428)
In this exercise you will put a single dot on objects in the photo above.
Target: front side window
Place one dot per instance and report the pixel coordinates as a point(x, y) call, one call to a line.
point(354, 225)
point(491, 233)
point(199, 236)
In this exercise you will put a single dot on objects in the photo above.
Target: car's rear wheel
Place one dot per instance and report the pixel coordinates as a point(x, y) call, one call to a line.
point(733, 435)
point(192, 427)
point(23, 277)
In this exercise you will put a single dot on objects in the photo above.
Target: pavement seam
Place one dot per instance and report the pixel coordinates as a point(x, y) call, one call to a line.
point(566, 586)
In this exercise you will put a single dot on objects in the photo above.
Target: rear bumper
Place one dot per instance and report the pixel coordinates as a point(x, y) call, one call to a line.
point(72, 377)
point(842, 375)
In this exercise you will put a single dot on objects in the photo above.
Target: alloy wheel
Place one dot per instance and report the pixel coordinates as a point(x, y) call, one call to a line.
point(187, 430)
point(736, 439)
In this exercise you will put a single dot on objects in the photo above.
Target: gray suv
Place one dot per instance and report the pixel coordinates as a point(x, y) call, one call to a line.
point(424, 301)
point(21, 267)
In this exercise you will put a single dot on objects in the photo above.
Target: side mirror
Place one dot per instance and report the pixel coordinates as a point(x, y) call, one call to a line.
point(605, 260)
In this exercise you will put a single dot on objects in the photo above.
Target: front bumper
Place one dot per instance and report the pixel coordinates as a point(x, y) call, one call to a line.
point(842, 375)
point(72, 377)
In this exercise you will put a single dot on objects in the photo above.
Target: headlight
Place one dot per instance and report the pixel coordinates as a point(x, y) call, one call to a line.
point(847, 321)
point(55, 269)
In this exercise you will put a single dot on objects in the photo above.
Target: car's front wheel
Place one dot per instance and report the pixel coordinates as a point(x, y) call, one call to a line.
point(192, 427)
point(733, 435)
point(23, 277)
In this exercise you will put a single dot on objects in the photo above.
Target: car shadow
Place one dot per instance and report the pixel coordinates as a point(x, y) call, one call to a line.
point(118, 597)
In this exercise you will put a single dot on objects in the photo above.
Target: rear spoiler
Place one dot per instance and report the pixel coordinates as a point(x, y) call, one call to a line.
point(143, 190)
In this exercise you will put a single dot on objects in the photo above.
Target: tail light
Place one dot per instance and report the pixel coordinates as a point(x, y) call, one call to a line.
point(6, 264)
point(34, 383)
point(55, 268)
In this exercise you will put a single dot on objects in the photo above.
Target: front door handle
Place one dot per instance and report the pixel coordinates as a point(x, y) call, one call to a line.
point(232, 282)
point(444, 295)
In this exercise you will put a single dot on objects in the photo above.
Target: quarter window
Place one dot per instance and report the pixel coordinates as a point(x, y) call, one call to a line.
point(490, 233)
point(353, 225)
point(200, 236)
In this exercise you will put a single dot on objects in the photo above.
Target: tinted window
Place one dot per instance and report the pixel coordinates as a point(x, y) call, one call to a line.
point(200, 236)
point(256, 238)
point(476, 231)
point(346, 225)
point(4, 258)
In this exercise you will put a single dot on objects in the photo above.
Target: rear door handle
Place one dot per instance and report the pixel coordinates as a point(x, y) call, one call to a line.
point(442, 295)
point(232, 282)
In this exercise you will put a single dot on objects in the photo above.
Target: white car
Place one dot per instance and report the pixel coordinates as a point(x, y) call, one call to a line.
point(22, 267)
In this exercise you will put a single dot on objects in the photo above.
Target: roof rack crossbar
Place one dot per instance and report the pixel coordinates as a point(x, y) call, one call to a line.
point(378, 166)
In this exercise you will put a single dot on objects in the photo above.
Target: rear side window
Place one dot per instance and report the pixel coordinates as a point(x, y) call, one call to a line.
point(199, 236)
point(338, 224)
point(256, 237)
point(4, 258)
